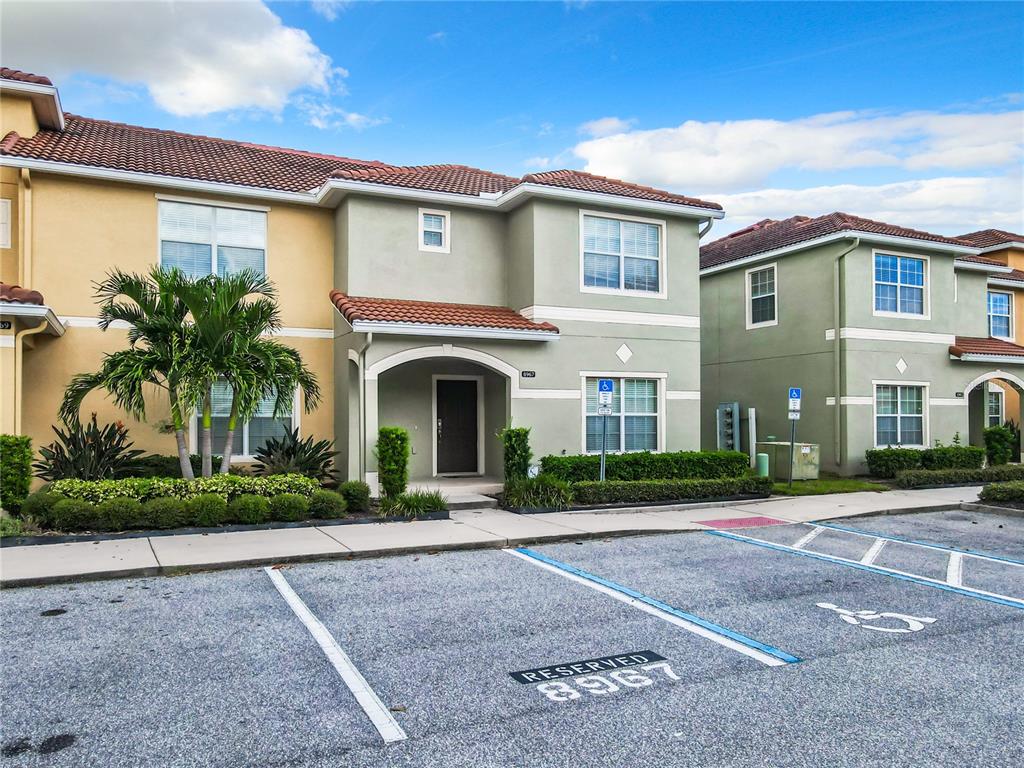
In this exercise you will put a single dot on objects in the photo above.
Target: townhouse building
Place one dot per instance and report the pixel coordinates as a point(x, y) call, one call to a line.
point(445, 299)
point(896, 336)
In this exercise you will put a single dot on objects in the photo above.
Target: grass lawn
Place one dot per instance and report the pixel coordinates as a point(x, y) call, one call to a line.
point(827, 484)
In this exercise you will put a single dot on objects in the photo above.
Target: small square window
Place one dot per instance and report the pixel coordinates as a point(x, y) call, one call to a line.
point(435, 231)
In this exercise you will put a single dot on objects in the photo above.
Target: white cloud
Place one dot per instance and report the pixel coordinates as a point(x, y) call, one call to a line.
point(326, 116)
point(437, 37)
point(947, 205)
point(606, 126)
point(731, 155)
point(329, 9)
point(194, 58)
point(545, 129)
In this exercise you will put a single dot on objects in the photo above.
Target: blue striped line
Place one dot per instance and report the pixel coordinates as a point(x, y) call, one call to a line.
point(1007, 601)
point(742, 639)
point(919, 543)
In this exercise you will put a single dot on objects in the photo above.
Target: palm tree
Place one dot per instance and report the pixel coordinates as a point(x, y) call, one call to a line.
point(160, 353)
point(232, 316)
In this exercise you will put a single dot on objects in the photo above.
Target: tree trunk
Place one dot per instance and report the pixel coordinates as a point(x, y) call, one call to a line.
point(225, 462)
point(179, 436)
point(207, 436)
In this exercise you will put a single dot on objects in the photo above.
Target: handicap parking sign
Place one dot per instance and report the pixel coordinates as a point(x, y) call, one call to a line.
point(605, 388)
point(794, 393)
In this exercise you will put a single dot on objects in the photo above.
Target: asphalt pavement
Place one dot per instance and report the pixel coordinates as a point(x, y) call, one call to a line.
point(783, 645)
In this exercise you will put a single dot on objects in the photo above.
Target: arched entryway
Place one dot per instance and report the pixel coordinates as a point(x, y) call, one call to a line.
point(993, 398)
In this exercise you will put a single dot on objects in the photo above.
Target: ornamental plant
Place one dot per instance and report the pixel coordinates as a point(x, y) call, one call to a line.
point(998, 445)
point(15, 471)
point(393, 460)
point(517, 454)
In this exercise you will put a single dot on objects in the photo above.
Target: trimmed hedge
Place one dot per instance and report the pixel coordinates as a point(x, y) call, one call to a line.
point(207, 510)
point(163, 513)
point(117, 514)
point(515, 442)
point(998, 445)
point(249, 509)
point(327, 505)
point(681, 465)
point(289, 508)
point(356, 494)
point(392, 460)
point(647, 491)
point(919, 478)
point(1003, 493)
point(155, 465)
point(39, 506)
point(888, 462)
point(953, 457)
point(227, 487)
point(15, 471)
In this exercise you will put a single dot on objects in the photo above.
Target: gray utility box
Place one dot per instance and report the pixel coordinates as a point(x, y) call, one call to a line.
point(806, 460)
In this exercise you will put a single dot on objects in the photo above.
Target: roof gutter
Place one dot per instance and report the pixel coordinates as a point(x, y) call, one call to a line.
point(837, 357)
point(973, 266)
point(33, 311)
point(971, 357)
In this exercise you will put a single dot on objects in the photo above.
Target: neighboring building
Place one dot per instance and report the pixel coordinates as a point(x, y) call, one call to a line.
point(913, 361)
point(444, 299)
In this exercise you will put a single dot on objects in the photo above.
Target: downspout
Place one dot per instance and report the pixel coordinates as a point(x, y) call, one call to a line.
point(705, 229)
point(363, 406)
point(837, 358)
point(25, 230)
point(18, 337)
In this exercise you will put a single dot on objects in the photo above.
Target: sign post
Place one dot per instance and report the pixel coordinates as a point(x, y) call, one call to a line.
point(605, 391)
point(794, 417)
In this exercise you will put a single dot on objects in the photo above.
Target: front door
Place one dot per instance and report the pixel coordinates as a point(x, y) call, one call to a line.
point(456, 426)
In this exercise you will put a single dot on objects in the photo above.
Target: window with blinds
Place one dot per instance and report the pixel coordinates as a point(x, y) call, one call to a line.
point(253, 434)
point(435, 231)
point(621, 255)
point(899, 415)
point(762, 303)
point(899, 285)
point(1000, 314)
point(203, 240)
point(633, 423)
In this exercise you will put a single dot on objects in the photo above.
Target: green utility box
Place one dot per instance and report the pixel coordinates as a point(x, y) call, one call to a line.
point(806, 460)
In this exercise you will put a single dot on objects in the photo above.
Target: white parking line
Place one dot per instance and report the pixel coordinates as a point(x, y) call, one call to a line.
point(873, 551)
point(806, 539)
point(379, 715)
point(955, 569)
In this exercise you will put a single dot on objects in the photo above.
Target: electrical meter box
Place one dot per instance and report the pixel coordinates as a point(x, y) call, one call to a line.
point(806, 460)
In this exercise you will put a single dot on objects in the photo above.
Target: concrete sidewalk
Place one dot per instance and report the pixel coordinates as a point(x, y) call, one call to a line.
point(468, 529)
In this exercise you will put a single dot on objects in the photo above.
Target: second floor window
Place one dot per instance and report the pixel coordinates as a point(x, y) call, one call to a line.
point(211, 240)
point(435, 231)
point(1000, 314)
point(621, 255)
point(899, 285)
point(762, 304)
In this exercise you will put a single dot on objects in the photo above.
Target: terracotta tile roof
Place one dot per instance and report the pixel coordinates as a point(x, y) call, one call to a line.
point(15, 294)
point(769, 234)
point(976, 345)
point(1016, 275)
point(987, 238)
point(374, 310)
point(6, 73)
point(981, 260)
point(588, 182)
point(103, 144)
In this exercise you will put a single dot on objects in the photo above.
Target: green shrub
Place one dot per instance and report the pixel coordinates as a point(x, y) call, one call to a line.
point(155, 465)
point(145, 488)
point(164, 512)
point(39, 506)
point(249, 509)
point(1003, 493)
point(414, 503)
point(119, 514)
point(288, 454)
point(645, 465)
point(327, 505)
point(393, 460)
point(74, 515)
point(888, 462)
point(647, 491)
point(15, 471)
point(515, 442)
point(953, 457)
point(356, 494)
point(998, 445)
point(920, 478)
point(88, 452)
point(206, 510)
point(11, 526)
point(541, 492)
point(289, 507)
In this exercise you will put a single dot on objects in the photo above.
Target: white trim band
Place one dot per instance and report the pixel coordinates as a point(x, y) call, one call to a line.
point(79, 321)
point(852, 400)
point(878, 334)
point(682, 394)
point(584, 315)
point(460, 331)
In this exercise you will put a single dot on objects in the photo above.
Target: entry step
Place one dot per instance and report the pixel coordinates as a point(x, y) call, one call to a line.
point(470, 501)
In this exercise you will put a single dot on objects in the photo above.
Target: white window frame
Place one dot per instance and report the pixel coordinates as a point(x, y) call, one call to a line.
point(241, 435)
point(927, 288)
point(661, 293)
point(5, 223)
point(989, 315)
point(747, 281)
point(620, 376)
point(925, 416)
point(995, 389)
point(213, 237)
point(446, 235)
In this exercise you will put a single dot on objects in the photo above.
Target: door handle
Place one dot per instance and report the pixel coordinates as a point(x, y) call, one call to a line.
point(438, 429)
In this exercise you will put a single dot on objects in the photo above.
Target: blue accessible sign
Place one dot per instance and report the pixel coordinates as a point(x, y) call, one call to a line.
point(608, 385)
point(794, 393)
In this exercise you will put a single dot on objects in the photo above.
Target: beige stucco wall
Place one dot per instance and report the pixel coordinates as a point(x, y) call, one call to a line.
point(16, 114)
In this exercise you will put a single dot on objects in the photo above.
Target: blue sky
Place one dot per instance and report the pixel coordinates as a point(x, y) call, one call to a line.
point(907, 111)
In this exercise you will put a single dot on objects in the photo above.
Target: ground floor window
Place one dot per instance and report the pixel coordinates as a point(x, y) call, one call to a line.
point(633, 423)
point(252, 435)
point(899, 414)
point(994, 408)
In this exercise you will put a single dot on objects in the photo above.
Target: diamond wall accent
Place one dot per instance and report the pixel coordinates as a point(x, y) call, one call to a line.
point(901, 365)
point(624, 353)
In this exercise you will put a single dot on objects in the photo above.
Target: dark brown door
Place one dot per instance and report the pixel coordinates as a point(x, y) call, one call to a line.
point(456, 426)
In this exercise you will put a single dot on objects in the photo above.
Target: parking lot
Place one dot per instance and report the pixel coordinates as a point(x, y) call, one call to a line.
point(882, 641)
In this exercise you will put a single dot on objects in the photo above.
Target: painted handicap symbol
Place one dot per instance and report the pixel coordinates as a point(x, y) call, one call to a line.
point(860, 618)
